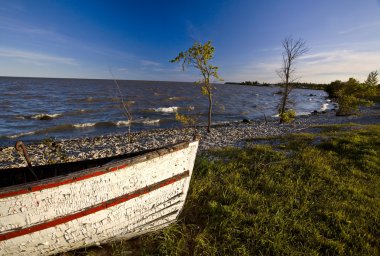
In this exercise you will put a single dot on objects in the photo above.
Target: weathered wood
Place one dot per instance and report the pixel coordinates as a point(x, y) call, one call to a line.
point(21, 148)
point(120, 199)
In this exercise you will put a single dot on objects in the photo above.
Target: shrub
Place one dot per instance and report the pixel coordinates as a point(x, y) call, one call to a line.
point(287, 116)
point(333, 87)
point(351, 94)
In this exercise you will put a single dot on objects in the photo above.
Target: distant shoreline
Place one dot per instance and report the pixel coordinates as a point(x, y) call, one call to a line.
point(310, 86)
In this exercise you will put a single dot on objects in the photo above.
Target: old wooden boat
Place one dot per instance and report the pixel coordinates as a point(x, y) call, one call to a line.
point(73, 205)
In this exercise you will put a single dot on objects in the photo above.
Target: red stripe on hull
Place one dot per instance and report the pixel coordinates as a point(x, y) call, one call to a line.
point(94, 209)
point(59, 183)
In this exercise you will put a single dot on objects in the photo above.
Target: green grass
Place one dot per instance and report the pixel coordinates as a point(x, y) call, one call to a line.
point(310, 194)
point(310, 198)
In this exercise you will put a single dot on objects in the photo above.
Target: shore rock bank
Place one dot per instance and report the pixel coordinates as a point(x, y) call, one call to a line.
point(231, 134)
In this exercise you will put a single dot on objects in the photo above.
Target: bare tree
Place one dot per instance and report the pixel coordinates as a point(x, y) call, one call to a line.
point(292, 50)
point(125, 106)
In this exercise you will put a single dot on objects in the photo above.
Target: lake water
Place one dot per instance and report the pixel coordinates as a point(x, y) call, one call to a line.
point(37, 108)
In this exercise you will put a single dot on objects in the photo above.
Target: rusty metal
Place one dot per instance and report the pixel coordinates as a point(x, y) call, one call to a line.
point(21, 148)
point(196, 136)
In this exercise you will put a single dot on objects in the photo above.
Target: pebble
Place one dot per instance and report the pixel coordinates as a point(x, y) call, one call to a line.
point(229, 134)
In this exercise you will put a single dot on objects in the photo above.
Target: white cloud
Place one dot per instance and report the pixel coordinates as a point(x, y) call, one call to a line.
point(338, 64)
point(150, 63)
point(12, 25)
point(34, 57)
point(323, 66)
point(360, 28)
point(123, 70)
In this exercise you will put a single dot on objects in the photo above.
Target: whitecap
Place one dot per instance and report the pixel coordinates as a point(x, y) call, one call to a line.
point(324, 107)
point(166, 110)
point(151, 121)
point(122, 123)
point(45, 116)
point(84, 125)
point(19, 135)
point(147, 121)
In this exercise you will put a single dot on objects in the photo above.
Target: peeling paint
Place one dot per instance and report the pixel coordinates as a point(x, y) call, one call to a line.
point(149, 211)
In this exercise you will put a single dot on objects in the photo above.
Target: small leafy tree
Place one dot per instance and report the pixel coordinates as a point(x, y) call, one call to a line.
point(372, 79)
point(292, 50)
point(352, 94)
point(199, 56)
point(373, 82)
point(332, 88)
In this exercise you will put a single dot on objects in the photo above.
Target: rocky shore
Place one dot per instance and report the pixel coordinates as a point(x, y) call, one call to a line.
point(230, 134)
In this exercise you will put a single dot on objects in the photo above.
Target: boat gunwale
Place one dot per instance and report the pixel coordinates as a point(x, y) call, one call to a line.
point(111, 166)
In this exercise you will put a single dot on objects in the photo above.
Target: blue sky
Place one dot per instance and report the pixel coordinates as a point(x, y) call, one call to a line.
point(136, 39)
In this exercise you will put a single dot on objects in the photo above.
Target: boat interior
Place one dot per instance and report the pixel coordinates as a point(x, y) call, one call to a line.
point(23, 175)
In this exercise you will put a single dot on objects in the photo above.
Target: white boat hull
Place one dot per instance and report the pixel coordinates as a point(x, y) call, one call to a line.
point(131, 198)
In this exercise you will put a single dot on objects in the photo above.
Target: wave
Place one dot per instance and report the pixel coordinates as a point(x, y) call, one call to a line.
point(41, 116)
point(58, 128)
point(148, 121)
point(19, 135)
point(122, 123)
point(45, 116)
point(97, 124)
point(166, 110)
point(84, 125)
point(70, 127)
point(324, 107)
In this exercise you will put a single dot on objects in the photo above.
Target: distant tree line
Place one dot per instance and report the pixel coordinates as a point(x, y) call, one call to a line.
point(299, 85)
point(253, 83)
